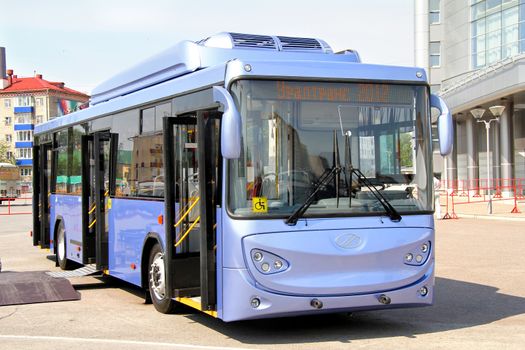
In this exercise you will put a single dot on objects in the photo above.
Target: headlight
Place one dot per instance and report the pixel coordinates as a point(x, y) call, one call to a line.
point(257, 256)
point(268, 263)
point(418, 255)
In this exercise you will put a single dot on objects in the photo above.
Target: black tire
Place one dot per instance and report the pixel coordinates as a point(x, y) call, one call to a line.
point(61, 248)
point(156, 282)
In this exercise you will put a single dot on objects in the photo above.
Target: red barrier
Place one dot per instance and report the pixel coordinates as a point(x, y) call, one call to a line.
point(9, 205)
point(459, 192)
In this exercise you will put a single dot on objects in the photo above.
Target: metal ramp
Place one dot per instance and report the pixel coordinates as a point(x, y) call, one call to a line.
point(18, 288)
point(80, 272)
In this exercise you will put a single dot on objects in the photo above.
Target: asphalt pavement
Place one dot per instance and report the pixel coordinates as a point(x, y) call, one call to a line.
point(479, 304)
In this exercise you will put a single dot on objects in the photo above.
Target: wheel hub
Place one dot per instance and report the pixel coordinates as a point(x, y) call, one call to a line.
point(157, 276)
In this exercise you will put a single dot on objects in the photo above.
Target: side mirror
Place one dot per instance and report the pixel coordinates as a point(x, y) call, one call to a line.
point(445, 126)
point(231, 124)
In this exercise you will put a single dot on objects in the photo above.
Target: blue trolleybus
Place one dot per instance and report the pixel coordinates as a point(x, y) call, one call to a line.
point(248, 176)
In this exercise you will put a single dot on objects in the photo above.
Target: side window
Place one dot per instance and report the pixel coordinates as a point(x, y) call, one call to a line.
point(126, 125)
point(148, 156)
point(161, 111)
point(151, 118)
point(148, 164)
point(75, 178)
point(148, 120)
point(61, 162)
point(140, 158)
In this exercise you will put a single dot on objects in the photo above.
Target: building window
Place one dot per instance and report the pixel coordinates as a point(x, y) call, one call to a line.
point(434, 11)
point(435, 53)
point(9, 155)
point(25, 101)
point(24, 153)
point(7, 102)
point(8, 121)
point(497, 30)
point(26, 135)
point(8, 138)
point(25, 172)
point(24, 118)
point(39, 101)
point(39, 119)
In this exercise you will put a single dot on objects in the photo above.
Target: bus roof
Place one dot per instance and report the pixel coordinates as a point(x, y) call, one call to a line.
point(189, 56)
point(189, 66)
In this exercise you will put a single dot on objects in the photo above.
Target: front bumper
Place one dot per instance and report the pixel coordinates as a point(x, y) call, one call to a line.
point(236, 303)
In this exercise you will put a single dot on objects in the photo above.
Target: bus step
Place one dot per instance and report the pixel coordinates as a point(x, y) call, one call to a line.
point(187, 292)
point(80, 272)
point(195, 303)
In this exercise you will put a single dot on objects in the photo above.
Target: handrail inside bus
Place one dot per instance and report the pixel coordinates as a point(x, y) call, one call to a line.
point(187, 212)
point(187, 232)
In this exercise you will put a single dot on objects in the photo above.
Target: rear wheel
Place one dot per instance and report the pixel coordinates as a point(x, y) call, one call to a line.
point(157, 282)
point(61, 249)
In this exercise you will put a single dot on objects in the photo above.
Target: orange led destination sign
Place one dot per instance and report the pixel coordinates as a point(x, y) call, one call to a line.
point(361, 93)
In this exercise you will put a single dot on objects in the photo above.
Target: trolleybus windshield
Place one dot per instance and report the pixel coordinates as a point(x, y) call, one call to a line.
point(292, 132)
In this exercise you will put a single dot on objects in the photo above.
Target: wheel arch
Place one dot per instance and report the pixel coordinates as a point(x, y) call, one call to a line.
point(150, 240)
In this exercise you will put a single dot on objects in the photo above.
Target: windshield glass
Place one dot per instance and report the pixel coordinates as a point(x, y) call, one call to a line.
point(294, 132)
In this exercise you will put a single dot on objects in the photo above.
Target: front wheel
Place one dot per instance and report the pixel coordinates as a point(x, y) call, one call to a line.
point(157, 282)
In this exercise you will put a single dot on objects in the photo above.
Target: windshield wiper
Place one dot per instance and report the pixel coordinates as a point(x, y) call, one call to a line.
point(325, 179)
point(389, 209)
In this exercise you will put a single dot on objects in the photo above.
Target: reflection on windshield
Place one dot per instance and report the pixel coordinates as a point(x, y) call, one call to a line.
point(288, 133)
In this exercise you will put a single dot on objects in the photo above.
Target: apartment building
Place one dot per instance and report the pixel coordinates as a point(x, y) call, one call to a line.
point(25, 102)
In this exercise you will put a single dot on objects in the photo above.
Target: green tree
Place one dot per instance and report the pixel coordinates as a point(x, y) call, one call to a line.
point(4, 148)
point(406, 150)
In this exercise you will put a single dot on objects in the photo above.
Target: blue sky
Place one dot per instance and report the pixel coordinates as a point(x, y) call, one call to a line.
point(84, 42)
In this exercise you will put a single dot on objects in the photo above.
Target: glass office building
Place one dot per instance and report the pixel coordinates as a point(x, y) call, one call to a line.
point(474, 53)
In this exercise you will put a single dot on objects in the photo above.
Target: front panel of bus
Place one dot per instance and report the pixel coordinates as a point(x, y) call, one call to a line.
point(305, 226)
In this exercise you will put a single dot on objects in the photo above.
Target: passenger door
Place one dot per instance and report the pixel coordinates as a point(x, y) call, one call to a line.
point(98, 183)
point(192, 171)
point(42, 176)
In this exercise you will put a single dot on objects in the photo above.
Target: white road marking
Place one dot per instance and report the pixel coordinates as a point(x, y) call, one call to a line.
point(117, 341)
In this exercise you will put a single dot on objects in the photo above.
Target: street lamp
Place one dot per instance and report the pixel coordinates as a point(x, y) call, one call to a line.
point(478, 113)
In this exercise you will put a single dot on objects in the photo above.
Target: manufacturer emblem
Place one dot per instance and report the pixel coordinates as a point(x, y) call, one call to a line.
point(348, 241)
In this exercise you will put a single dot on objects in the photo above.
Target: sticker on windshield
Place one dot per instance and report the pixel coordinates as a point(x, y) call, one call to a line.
point(259, 204)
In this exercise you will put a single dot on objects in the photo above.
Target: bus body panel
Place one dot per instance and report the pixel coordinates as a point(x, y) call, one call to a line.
point(338, 262)
point(219, 261)
point(323, 269)
point(237, 229)
point(129, 221)
point(322, 70)
point(69, 209)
